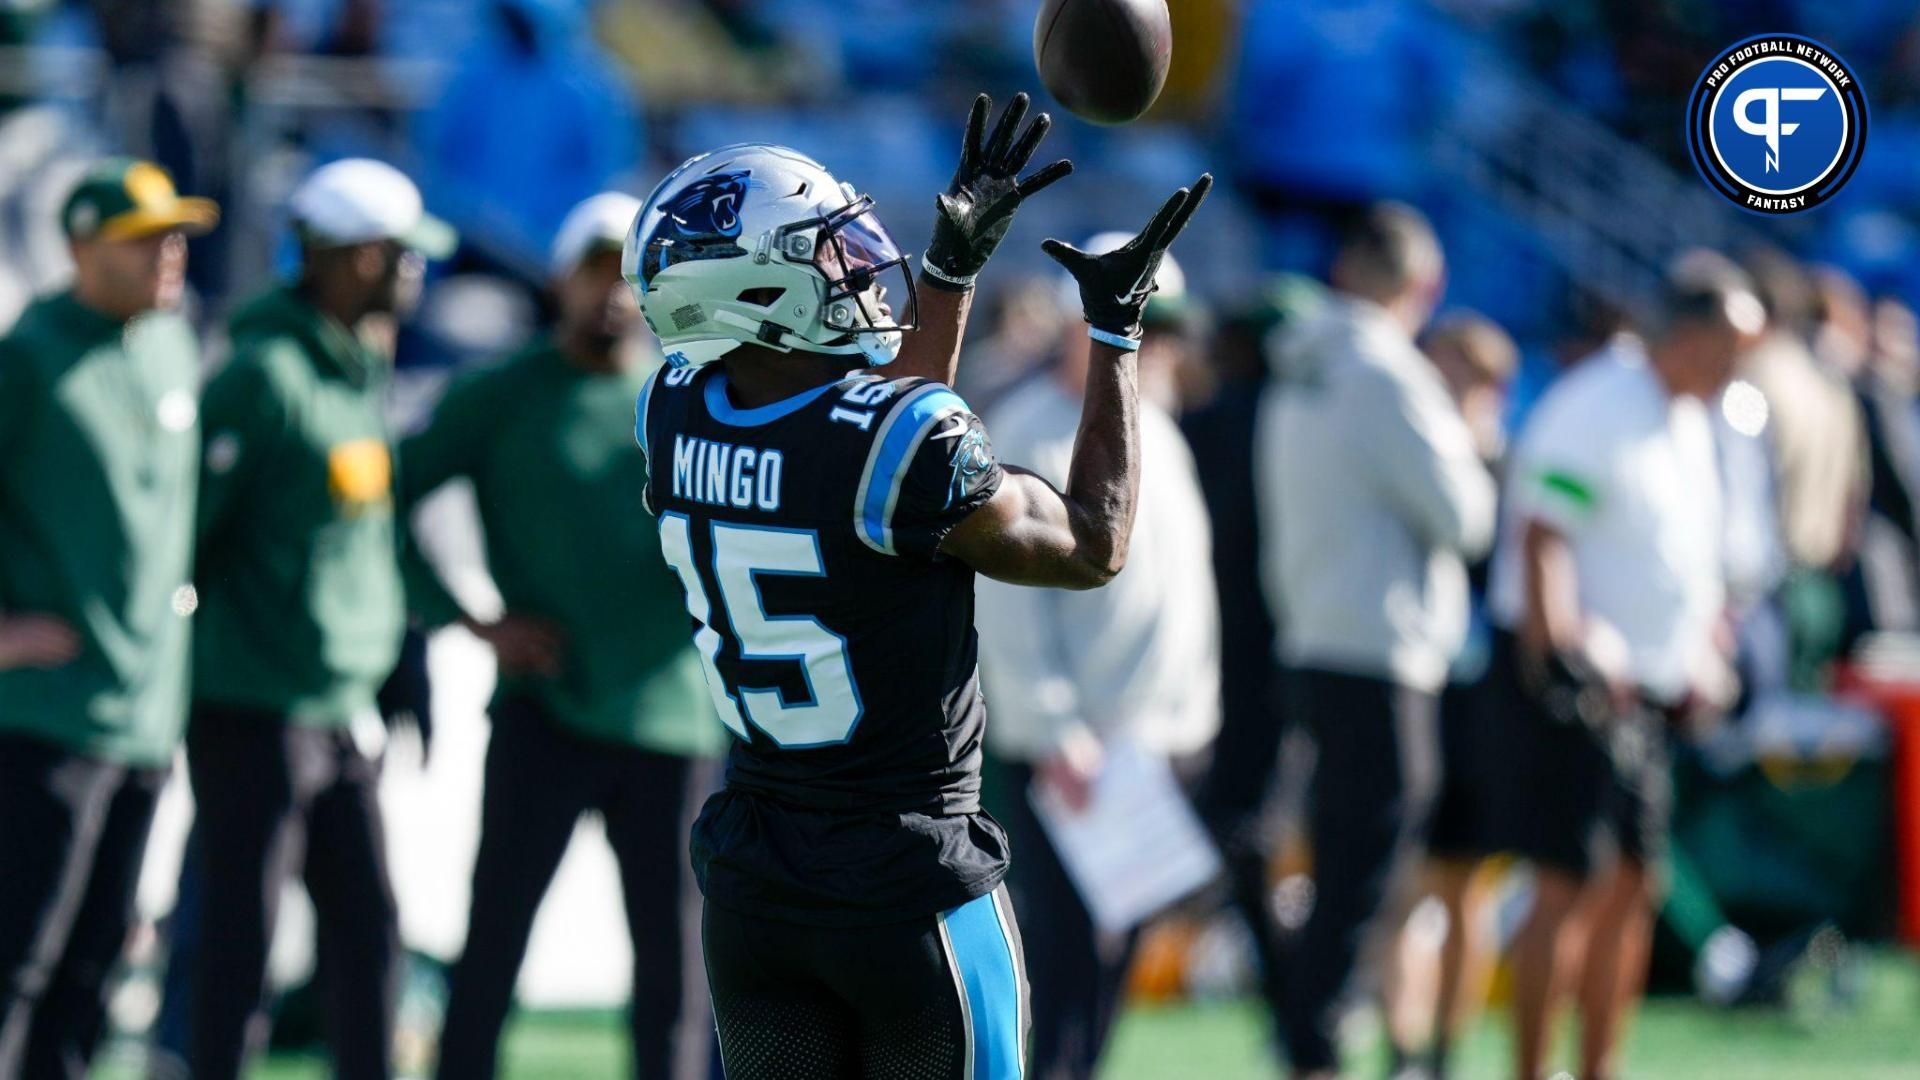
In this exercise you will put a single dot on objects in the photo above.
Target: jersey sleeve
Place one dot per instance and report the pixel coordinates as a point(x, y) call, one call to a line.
point(931, 464)
point(1559, 473)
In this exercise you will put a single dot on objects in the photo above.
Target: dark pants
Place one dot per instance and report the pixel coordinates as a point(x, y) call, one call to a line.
point(1232, 800)
point(72, 833)
point(274, 798)
point(1573, 796)
point(172, 1036)
point(939, 997)
point(539, 780)
point(1374, 783)
point(1076, 971)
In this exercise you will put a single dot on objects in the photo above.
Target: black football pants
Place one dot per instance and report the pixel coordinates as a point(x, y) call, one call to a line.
point(939, 997)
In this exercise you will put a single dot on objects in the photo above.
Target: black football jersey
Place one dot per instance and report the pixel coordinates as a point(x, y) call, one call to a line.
point(838, 642)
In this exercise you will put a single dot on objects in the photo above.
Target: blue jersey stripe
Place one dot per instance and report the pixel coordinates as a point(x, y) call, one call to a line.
point(989, 974)
point(905, 429)
point(640, 411)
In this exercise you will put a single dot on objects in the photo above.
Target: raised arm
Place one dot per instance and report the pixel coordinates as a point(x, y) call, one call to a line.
point(971, 218)
point(932, 350)
point(1031, 533)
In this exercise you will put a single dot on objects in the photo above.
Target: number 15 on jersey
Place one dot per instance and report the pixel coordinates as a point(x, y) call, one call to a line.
point(741, 554)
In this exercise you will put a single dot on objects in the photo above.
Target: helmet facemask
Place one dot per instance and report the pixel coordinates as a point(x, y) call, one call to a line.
point(853, 252)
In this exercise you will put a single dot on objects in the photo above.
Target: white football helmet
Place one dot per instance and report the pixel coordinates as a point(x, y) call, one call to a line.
point(759, 244)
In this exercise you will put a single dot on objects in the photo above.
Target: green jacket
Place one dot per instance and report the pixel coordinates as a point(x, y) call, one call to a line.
point(98, 444)
point(550, 452)
point(301, 606)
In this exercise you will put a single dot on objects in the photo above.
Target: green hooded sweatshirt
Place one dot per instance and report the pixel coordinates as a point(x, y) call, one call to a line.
point(98, 442)
point(301, 605)
point(557, 475)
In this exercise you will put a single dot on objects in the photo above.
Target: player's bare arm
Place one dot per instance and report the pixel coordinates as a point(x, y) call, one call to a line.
point(971, 218)
point(1031, 533)
point(1553, 627)
point(1552, 619)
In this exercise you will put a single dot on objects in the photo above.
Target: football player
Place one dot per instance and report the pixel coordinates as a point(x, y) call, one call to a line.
point(827, 524)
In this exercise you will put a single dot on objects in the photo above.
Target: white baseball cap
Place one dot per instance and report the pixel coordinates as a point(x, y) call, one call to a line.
point(355, 200)
point(599, 221)
point(1172, 281)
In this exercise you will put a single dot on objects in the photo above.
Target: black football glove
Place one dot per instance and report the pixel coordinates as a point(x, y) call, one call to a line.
point(978, 206)
point(1114, 287)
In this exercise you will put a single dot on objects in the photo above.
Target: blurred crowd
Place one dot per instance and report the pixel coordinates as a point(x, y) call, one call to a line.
point(1702, 485)
point(509, 111)
point(1518, 597)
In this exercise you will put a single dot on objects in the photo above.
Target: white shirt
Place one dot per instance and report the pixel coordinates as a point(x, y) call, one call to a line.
point(1138, 658)
point(1627, 473)
point(1371, 493)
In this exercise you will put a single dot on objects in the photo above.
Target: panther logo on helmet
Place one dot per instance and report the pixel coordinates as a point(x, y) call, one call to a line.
point(763, 246)
point(702, 222)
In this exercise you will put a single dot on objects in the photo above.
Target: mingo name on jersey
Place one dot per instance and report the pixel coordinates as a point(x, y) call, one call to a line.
point(726, 474)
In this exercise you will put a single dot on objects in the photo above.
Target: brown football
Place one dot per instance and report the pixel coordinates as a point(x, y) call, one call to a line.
point(1105, 60)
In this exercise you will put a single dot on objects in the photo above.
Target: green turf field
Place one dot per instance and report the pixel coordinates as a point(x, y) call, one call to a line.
point(1878, 1040)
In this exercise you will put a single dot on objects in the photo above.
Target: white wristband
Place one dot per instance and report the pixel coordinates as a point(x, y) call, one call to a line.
point(1118, 341)
point(933, 272)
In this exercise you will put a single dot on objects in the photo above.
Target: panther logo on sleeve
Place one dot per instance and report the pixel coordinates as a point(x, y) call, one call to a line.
point(972, 462)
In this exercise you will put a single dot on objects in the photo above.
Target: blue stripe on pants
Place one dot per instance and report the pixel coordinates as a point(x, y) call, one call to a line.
point(989, 974)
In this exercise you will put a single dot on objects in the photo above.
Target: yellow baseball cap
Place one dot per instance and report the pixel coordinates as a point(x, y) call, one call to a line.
point(124, 199)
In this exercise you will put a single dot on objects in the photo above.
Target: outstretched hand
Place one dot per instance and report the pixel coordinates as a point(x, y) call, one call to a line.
point(1114, 286)
point(977, 208)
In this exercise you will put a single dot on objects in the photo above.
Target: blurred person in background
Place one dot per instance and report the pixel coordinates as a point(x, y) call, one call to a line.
point(167, 96)
point(533, 120)
point(601, 704)
point(323, 28)
point(1070, 674)
point(1607, 595)
point(99, 441)
point(1792, 466)
point(1583, 324)
point(1476, 359)
point(1371, 495)
point(1839, 333)
point(1813, 427)
point(302, 612)
point(1330, 109)
point(1881, 335)
point(1839, 329)
point(1232, 797)
point(1026, 318)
